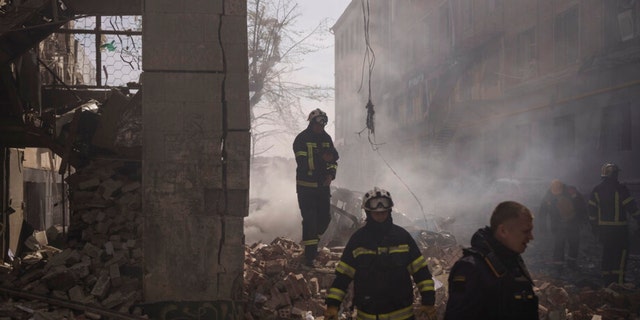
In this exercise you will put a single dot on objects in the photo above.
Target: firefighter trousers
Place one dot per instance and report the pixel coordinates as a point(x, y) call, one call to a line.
point(615, 251)
point(314, 206)
point(563, 238)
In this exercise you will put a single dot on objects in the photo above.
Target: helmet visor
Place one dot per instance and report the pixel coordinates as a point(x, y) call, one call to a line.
point(378, 204)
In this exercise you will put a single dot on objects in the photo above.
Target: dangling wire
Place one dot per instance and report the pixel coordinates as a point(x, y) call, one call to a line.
point(369, 59)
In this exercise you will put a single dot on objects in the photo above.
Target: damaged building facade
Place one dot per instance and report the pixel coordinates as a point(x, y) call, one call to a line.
point(526, 90)
point(164, 221)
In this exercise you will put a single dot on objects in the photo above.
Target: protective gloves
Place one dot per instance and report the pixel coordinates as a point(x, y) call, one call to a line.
point(426, 312)
point(331, 313)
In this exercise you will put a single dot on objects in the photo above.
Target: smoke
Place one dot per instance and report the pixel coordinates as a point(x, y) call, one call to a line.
point(273, 206)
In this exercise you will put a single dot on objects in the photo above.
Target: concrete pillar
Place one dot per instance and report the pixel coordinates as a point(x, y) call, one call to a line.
point(195, 149)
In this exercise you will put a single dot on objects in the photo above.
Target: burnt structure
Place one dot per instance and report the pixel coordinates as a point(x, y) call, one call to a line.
point(529, 90)
point(58, 92)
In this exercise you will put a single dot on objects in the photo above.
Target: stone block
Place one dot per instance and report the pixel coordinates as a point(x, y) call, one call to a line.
point(201, 119)
point(91, 250)
point(238, 146)
point(234, 30)
point(131, 186)
point(235, 7)
point(236, 57)
point(108, 248)
point(113, 300)
point(76, 294)
point(238, 203)
point(238, 118)
point(183, 56)
point(101, 287)
point(81, 269)
point(233, 230)
point(89, 183)
point(238, 174)
point(186, 6)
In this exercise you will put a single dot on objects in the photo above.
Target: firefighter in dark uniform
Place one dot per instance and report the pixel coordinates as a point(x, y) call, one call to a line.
point(562, 211)
point(491, 280)
point(609, 204)
point(316, 159)
point(381, 258)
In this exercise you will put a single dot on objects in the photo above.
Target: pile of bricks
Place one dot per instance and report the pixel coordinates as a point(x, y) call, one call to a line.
point(561, 300)
point(277, 286)
point(102, 263)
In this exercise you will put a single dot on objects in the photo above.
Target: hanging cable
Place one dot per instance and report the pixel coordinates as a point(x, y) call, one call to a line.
point(369, 60)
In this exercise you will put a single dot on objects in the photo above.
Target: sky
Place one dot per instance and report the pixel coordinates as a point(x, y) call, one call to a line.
point(317, 67)
point(275, 210)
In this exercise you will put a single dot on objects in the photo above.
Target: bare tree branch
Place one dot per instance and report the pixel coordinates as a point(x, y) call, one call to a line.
point(275, 50)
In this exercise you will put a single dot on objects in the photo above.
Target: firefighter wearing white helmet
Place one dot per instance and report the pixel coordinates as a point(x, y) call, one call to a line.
point(609, 204)
point(316, 159)
point(381, 259)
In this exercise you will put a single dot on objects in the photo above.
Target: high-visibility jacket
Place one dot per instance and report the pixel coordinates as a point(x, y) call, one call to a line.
point(609, 204)
point(381, 262)
point(308, 147)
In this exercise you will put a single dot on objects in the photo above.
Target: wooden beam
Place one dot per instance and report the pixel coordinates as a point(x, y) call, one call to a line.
point(106, 7)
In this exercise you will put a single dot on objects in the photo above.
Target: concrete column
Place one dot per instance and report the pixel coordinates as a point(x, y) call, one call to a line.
point(195, 149)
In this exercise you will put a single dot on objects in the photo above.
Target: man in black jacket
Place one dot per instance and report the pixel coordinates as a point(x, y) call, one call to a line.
point(491, 280)
point(381, 258)
point(609, 204)
point(562, 211)
point(316, 159)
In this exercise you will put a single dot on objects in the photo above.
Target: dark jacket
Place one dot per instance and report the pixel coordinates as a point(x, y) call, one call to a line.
point(609, 204)
point(380, 259)
point(566, 209)
point(308, 148)
point(490, 282)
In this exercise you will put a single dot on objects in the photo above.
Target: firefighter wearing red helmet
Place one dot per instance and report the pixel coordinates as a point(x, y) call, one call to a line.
point(609, 204)
point(316, 159)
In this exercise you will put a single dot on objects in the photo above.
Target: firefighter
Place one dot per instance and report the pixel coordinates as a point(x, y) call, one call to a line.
point(562, 211)
point(381, 258)
point(609, 204)
point(316, 159)
point(491, 280)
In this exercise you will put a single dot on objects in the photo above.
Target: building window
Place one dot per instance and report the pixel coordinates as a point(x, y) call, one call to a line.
point(615, 131)
point(492, 65)
point(444, 34)
point(466, 14)
point(567, 35)
point(626, 25)
point(563, 139)
point(525, 55)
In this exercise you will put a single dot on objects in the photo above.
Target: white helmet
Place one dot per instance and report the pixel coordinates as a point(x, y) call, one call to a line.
point(318, 116)
point(377, 199)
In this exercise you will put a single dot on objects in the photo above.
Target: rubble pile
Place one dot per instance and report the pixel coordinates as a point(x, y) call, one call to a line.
point(101, 265)
point(278, 286)
point(560, 300)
